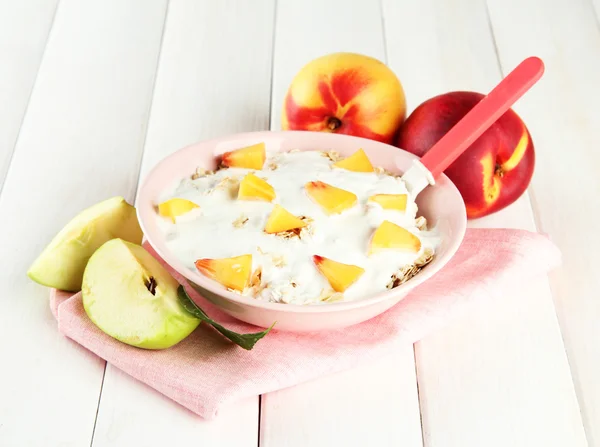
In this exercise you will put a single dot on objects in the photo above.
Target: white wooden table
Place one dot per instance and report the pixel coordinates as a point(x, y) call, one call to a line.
point(93, 93)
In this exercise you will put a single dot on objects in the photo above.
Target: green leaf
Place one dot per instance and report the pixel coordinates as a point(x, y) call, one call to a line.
point(246, 341)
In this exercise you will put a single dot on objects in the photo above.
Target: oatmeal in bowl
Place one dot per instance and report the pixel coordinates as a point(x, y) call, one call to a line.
point(292, 226)
point(297, 227)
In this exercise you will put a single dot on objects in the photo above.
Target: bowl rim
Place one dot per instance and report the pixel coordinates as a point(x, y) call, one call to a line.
point(217, 289)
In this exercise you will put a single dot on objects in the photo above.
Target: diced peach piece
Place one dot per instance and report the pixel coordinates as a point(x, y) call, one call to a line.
point(175, 207)
point(340, 276)
point(234, 273)
point(255, 188)
point(390, 201)
point(282, 220)
point(357, 162)
point(390, 236)
point(251, 157)
point(333, 200)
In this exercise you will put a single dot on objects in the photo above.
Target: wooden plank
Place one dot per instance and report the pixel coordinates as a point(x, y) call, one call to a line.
point(214, 78)
point(562, 114)
point(376, 404)
point(499, 375)
point(80, 143)
point(133, 414)
point(24, 28)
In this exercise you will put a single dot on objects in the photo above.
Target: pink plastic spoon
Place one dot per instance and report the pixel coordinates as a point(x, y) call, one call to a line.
point(472, 125)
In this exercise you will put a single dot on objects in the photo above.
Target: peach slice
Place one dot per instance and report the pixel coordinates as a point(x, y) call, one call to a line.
point(390, 201)
point(255, 188)
point(393, 237)
point(340, 276)
point(176, 207)
point(333, 200)
point(251, 157)
point(282, 220)
point(233, 273)
point(357, 162)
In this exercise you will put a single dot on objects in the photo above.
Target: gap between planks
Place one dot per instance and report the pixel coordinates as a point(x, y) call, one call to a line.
point(8, 161)
point(136, 185)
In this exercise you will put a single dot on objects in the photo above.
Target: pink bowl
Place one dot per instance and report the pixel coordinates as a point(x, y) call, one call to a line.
point(441, 204)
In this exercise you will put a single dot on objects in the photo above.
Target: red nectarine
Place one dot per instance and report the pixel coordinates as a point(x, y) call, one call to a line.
point(494, 171)
point(345, 93)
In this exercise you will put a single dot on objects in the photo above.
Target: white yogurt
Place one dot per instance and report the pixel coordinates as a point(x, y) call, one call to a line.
point(209, 232)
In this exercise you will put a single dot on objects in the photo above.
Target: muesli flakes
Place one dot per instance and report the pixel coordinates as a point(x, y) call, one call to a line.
point(298, 232)
point(332, 155)
point(421, 223)
point(409, 271)
point(278, 260)
point(380, 170)
point(330, 296)
point(240, 221)
point(201, 172)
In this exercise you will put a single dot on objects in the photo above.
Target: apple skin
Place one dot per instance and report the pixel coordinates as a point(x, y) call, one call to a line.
point(62, 263)
point(494, 171)
point(345, 93)
point(130, 296)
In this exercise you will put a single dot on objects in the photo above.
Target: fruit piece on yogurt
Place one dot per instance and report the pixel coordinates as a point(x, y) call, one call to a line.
point(393, 237)
point(340, 276)
point(390, 201)
point(251, 157)
point(333, 200)
point(255, 188)
point(234, 273)
point(176, 207)
point(357, 162)
point(282, 220)
point(130, 296)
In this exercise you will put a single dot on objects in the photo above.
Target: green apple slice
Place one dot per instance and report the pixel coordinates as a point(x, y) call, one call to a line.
point(130, 296)
point(61, 263)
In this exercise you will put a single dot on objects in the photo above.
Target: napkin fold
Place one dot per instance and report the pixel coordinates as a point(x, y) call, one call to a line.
point(206, 371)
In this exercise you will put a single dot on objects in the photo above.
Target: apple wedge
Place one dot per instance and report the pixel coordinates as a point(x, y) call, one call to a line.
point(130, 296)
point(62, 262)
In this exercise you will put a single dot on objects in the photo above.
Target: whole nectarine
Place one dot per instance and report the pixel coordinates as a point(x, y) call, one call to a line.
point(494, 171)
point(345, 93)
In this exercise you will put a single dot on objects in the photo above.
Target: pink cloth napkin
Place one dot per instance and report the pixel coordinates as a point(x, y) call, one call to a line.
point(206, 371)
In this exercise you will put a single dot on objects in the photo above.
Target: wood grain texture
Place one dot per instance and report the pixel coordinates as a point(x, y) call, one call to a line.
point(215, 74)
point(373, 404)
point(133, 414)
point(24, 28)
point(562, 115)
point(498, 375)
point(376, 404)
point(213, 79)
point(80, 142)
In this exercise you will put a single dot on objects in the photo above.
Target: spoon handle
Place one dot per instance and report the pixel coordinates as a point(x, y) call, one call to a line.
point(483, 115)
